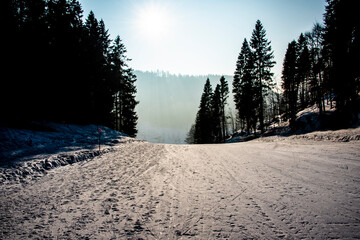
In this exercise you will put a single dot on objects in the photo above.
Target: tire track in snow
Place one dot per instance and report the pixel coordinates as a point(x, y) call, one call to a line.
point(233, 191)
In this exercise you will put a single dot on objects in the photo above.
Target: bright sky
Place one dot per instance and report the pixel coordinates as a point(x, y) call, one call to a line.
point(201, 37)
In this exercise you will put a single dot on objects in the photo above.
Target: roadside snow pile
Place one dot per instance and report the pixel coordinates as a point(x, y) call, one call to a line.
point(344, 135)
point(37, 166)
point(240, 136)
point(25, 152)
point(313, 126)
point(309, 119)
point(309, 125)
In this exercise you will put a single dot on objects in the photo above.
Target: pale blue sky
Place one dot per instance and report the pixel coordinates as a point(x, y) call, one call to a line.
point(201, 37)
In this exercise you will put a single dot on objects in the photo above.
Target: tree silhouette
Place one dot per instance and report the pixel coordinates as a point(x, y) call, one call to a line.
point(326, 66)
point(263, 62)
point(203, 123)
point(289, 83)
point(303, 72)
point(244, 87)
point(216, 116)
point(342, 47)
point(317, 88)
point(59, 68)
point(224, 93)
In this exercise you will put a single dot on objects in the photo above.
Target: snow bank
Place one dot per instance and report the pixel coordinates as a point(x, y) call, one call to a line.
point(344, 135)
point(32, 169)
point(310, 125)
point(29, 153)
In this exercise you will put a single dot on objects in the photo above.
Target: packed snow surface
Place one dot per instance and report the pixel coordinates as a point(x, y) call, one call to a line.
point(291, 189)
point(44, 138)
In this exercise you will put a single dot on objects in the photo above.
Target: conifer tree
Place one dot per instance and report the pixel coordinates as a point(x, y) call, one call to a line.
point(190, 135)
point(117, 60)
point(203, 122)
point(263, 62)
point(125, 118)
point(238, 77)
point(216, 116)
point(289, 83)
point(224, 93)
point(244, 87)
point(317, 86)
point(303, 72)
point(99, 82)
point(342, 45)
point(128, 116)
point(66, 72)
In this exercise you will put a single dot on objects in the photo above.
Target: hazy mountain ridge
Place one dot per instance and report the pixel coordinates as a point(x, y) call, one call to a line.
point(168, 104)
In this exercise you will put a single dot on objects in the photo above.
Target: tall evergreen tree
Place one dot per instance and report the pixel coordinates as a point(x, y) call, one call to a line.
point(128, 115)
point(289, 83)
point(317, 86)
point(125, 118)
point(303, 66)
point(100, 84)
point(238, 77)
point(263, 62)
point(216, 116)
point(342, 44)
point(190, 135)
point(203, 122)
point(224, 93)
point(66, 72)
point(244, 87)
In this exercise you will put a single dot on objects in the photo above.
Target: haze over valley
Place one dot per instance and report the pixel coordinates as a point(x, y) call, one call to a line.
point(168, 104)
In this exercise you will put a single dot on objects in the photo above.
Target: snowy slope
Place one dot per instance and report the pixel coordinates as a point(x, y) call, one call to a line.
point(28, 153)
point(289, 188)
point(310, 125)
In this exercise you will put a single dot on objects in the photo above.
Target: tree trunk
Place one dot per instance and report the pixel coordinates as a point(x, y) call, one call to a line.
point(261, 110)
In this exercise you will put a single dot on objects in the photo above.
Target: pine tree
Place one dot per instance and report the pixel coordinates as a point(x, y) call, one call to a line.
point(190, 135)
point(289, 83)
point(263, 61)
point(244, 87)
point(128, 115)
point(317, 87)
point(99, 85)
point(303, 66)
point(216, 116)
point(224, 93)
point(238, 77)
point(66, 71)
point(203, 122)
point(32, 46)
point(342, 46)
point(118, 64)
point(124, 115)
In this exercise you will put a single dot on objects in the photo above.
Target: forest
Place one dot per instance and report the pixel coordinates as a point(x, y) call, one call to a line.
point(61, 67)
point(322, 65)
point(57, 67)
point(168, 104)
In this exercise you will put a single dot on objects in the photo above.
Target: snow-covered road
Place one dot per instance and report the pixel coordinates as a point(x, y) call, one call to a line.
point(288, 189)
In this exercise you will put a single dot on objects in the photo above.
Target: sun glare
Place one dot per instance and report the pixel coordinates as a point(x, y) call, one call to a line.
point(153, 21)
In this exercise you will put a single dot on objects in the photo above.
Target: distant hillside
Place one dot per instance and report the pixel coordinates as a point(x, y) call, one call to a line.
point(168, 104)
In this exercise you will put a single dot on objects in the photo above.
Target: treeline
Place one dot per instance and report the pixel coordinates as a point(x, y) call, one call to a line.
point(252, 84)
point(324, 65)
point(58, 68)
point(253, 79)
point(321, 66)
point(210, 124)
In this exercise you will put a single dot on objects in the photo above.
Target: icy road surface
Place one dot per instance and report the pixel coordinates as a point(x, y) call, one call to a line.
point(288, 189)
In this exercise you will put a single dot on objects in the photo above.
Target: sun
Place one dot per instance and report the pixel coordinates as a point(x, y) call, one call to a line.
point(153, 21)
